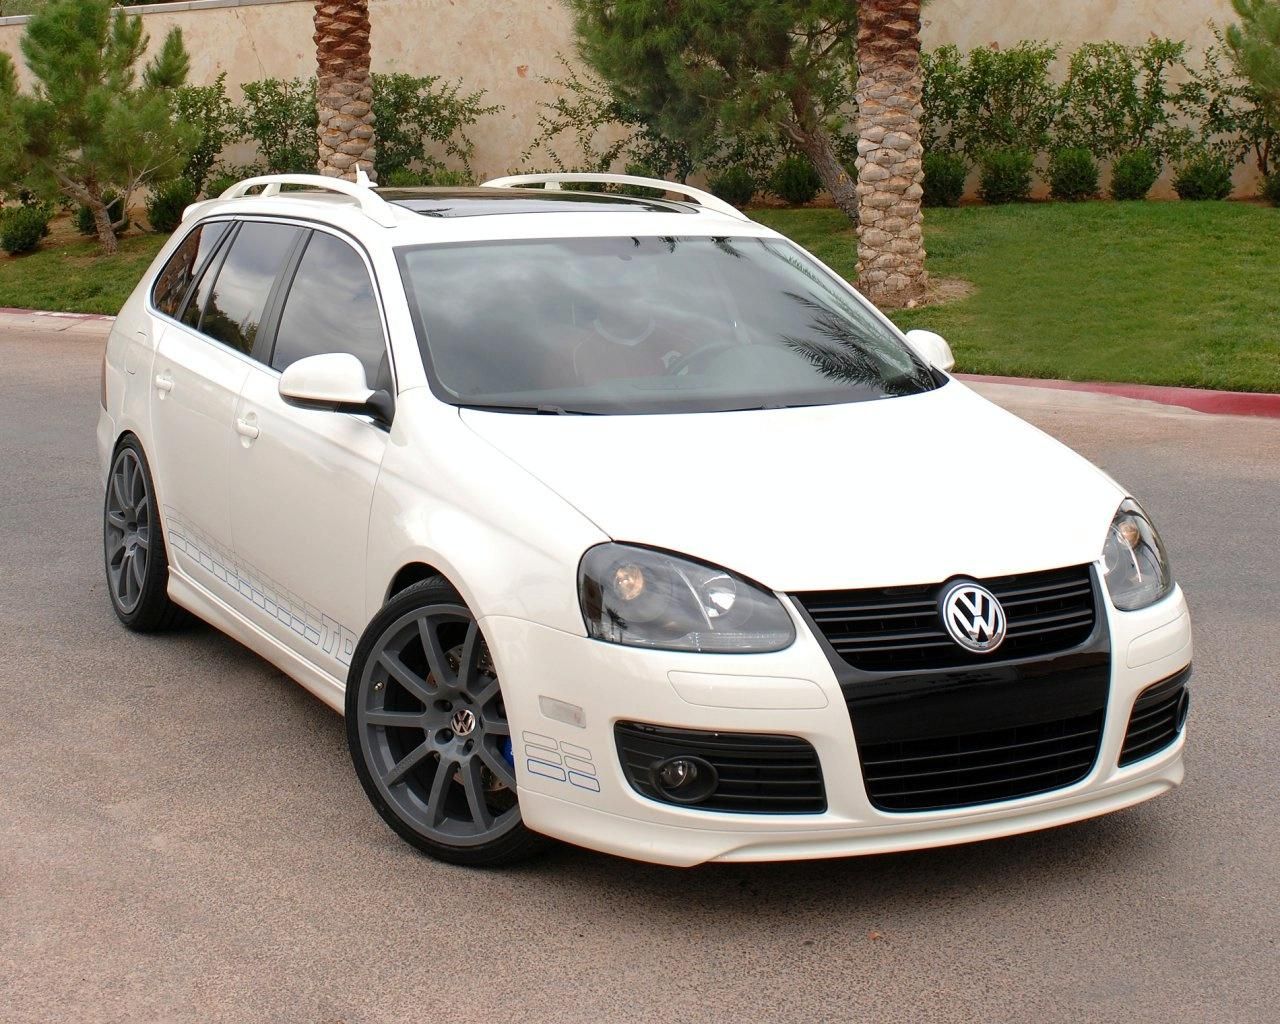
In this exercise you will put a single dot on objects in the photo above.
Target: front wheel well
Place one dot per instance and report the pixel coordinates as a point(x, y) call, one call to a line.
point(414, 572)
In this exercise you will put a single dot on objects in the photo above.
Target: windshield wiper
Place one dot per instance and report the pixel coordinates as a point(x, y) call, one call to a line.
point(534, 410)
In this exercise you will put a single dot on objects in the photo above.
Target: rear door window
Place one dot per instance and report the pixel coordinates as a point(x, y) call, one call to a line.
point(231, 309)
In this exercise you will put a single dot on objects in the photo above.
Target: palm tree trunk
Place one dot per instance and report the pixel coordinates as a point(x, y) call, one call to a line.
point(890, 171)
point(344, 88)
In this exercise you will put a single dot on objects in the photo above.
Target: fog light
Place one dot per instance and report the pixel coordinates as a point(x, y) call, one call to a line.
point(685, 780)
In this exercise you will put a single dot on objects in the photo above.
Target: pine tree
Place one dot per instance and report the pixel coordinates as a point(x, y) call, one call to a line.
point(88, 126)
point(696, 68)
point(1255, 44)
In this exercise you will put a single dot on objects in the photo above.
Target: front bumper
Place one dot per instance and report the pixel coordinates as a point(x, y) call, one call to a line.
point(564, 694)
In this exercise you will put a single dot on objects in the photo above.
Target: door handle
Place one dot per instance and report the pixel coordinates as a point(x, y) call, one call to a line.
point(164, 383)
point(246, 429)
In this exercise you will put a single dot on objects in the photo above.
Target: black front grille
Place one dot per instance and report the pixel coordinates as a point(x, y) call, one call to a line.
point(1158, 716)
point(899, 629)
point(757, 774)
point(980, 767)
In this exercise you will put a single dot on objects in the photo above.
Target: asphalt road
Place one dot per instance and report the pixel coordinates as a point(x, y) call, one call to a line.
point(182, 837)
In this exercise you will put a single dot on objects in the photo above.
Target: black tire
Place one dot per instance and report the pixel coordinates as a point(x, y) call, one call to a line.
point(428, 734)
point(134, 555)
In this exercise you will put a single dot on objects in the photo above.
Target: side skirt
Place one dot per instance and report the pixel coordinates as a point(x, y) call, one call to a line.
point(200, 602)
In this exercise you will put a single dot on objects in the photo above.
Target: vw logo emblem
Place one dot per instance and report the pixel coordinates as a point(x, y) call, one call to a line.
point(463, 722)
point(973, 617)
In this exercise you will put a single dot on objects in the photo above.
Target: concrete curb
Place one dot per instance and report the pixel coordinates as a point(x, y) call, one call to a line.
point(15, 311)
point(1220, 403)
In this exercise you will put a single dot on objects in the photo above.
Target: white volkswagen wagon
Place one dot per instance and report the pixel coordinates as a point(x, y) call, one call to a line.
point(625, 521)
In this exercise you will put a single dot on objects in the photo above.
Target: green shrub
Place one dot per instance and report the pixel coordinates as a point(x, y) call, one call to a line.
point(1008, 99)
point(207, 110)
point(443, 177)
point(1073, 174)
point(226, 176)
point(280, 116)
point(1133, 173)
point(1205, 175)
point(942, 74)
point(1270, 189)
point(587, 128)
point(734, 185)
point(1006, 175)
point(168, 200)
point(1118, 96)
point(115, 210)
point(400, 177)
point(944, 178)
point(640, 171)
point(411, 113)
point(794, 181)
point(22, 227)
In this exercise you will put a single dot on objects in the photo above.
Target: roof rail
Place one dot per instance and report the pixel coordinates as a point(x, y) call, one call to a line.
point(556, 179)
point(371, 204)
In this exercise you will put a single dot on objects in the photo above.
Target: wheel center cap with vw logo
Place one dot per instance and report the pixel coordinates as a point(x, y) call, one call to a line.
point(973, 617)
point(463, 722)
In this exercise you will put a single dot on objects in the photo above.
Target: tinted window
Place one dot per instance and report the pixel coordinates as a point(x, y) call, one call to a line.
point(239, 296)
point(200, 295)
point(187, 261)
point(331, 308)
point(648, 325)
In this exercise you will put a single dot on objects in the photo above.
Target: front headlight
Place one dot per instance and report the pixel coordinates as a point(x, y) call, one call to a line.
point(1137, 566)
point(648, 598)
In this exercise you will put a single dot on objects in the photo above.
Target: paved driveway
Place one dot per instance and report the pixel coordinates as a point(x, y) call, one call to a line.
point(182, 837)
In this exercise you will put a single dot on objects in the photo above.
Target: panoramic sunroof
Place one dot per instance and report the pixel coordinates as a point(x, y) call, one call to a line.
point(487, 202)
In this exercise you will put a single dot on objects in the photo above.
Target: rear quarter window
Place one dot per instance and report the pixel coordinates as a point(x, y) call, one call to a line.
point(184, 266)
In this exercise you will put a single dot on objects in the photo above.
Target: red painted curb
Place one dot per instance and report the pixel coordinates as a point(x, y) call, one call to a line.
point(53, 313)
point(1222, 403)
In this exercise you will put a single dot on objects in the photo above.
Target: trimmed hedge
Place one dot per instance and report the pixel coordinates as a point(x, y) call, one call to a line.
point(1006, 175)
point(944, 178)
point(794, 181)
point(168, 200)
point(1133, 173)
point(22, 227)
point(1204, 176)
point(734, 185)
point(1073, 174)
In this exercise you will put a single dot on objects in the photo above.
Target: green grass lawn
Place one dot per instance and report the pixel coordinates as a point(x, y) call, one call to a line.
point(1160, 293)
point(67, 274)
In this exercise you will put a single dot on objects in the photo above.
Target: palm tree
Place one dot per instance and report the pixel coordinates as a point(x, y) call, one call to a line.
point(890, 171)
point(344, 93)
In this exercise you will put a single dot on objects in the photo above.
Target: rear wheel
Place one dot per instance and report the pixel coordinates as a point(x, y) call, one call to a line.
point(133, 544)
point(428, 731)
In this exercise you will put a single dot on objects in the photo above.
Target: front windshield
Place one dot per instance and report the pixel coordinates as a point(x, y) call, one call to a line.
point(647, 325)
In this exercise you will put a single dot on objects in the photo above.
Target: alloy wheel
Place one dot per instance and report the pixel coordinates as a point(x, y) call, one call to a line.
point(128, 530)
point(434, 730)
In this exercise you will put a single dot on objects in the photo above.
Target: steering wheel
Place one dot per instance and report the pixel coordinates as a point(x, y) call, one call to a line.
point(687, 362)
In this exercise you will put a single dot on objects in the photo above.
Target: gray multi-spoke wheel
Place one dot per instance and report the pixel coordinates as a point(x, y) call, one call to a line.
point(133, 546)
point(428, 730)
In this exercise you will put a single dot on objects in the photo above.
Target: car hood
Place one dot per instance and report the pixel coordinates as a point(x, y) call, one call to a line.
point(897, 491)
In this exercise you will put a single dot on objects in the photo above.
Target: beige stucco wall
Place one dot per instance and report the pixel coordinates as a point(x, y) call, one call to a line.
point(1070, 22)
point(506, 46)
